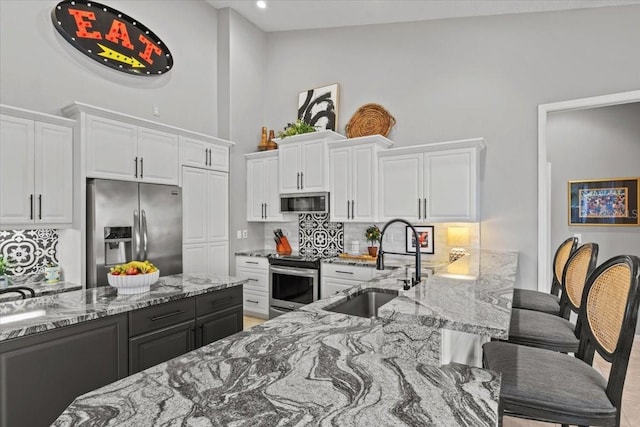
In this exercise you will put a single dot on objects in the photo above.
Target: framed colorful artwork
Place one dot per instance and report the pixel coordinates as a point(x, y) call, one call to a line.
point(612, 201)
point(425, 235)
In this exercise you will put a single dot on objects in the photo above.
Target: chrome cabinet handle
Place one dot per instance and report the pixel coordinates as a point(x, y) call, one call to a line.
point(135, 161)
point(209, 156)
point(39, 206)
point(141, 166)
point(353, 206)
point(251, 301)
point(344, 272)
point(250, 262)
point(31, 206)
point(348, 206)
point(252, 280)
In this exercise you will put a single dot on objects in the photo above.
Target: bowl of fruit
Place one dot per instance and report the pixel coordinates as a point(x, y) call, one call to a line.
point(134, 277)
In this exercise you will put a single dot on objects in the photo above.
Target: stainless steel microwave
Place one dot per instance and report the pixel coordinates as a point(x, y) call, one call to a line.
point(304, 203)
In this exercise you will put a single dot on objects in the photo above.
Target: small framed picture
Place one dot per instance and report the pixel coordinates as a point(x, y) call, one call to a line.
point(425, 237)
point(319, 107)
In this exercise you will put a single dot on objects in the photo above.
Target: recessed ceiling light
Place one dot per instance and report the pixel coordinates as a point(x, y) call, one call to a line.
point(261, 4)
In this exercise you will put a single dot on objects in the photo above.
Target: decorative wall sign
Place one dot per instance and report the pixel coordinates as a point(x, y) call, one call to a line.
point(604, 202)
point(111, 38)
point(28, 251)
point(319, 107)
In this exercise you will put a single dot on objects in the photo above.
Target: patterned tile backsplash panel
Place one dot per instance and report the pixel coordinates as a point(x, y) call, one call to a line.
point(28, 251)
point(318, 236)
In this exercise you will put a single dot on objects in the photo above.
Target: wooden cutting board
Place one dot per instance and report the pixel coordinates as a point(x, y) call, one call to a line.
point(362, 257)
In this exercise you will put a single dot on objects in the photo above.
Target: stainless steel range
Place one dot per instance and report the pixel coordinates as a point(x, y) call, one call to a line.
point(294, 281)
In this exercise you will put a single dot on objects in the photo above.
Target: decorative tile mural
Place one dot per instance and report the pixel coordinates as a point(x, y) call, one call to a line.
point(28, 251)
point(319, 236)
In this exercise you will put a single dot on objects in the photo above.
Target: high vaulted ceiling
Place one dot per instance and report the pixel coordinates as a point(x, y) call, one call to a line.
point(284, 15)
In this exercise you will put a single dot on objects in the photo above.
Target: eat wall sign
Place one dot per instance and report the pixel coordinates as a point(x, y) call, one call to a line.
point(111, 38)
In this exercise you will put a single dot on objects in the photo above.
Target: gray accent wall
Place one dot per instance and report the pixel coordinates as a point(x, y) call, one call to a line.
point(596, 143)
point(462, 78)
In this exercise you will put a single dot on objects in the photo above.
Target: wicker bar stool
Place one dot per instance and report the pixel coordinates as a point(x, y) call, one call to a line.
point(547, 302)
point(554, 387)
point(543, 330)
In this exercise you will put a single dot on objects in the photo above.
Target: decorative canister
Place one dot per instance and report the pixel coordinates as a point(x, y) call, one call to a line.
point(355, 247)
point(52, 273)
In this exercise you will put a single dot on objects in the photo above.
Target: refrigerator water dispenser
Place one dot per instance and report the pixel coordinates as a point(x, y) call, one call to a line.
point(117, 245)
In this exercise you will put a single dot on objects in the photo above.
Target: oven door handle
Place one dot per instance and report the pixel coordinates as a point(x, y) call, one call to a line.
point(304, 272)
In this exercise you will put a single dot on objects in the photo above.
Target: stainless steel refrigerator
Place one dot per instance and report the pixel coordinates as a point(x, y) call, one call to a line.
point(132, 221)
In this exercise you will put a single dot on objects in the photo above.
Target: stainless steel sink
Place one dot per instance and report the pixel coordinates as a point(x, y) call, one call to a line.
point(365, 304)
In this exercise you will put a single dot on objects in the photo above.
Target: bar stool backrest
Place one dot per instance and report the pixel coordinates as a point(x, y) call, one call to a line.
point(560, 259)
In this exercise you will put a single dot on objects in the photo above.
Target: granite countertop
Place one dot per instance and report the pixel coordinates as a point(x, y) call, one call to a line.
point(54, 311)
point(260, 253)
point(39, 286)
point(302, 368)
point(473, 295)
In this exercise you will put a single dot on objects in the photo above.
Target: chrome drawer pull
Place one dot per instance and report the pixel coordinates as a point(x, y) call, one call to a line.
point(252, 301)
point(344, 272)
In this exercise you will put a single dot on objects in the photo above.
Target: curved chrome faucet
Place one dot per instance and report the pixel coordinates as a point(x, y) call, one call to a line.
point(380, 258)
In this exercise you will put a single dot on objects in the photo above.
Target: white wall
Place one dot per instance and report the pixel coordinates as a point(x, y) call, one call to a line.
point(40, 71)
point(595, 143)
point(242, 54)
point(463, 78)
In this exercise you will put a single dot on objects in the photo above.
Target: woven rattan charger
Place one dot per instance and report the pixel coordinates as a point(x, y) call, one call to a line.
point(370, 119)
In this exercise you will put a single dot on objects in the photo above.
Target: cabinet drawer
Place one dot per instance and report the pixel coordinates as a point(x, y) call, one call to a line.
point(331, 287)
point(159, 346)
point(347, 272)
point(252, 262)
point(218, 300)
point(256, 302)
point(258, 281)
point(160, 316)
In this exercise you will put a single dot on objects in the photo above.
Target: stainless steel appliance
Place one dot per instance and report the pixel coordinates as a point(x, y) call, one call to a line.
point(294, 281)
point(132, 221)
point(304, 203)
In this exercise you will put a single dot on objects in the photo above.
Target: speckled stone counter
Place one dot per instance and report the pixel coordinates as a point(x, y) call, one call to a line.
point(55, 311)
point(37, 283)
point(261, 253)
point(302, 368)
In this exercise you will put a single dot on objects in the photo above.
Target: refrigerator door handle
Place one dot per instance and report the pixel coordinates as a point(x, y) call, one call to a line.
point(136, 235)
point(145, 236)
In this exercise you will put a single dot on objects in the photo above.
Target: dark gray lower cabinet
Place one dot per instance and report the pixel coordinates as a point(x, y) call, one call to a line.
point(43, 373)
point(218, 325)
point(159, 346)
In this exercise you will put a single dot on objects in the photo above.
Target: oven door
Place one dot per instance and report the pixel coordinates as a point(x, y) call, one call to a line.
point(290, 288)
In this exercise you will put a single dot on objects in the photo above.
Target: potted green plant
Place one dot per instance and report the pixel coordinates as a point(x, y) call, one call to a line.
point(4, 264)
point(373, 236)
point(296, 128)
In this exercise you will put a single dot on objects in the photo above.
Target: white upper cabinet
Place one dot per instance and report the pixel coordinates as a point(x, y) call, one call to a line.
point(218, 209)
point(36, 168)
point(431, 183)
point(158, 152)
point(212, 153)
point(119, 146)
point(353, 178)
point(263, 198)
point(304, 166)
point(194, 205)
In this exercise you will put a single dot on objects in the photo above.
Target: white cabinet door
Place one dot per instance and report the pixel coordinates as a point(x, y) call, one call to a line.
point(193, 152)
point(53, 174)
point(331, 286)
point(272, 195)
point(218, 158)
point(194, 205)
point(450, 185)
point(158, 156)
point(219, 258)
point(313, 173)
point(363, 184)
point(256, 188)
point(340, 174)
point(290, 168)
point(111, 149)
point(400, 186)
point(16, 170)
point(218, 206)
point(195, 258)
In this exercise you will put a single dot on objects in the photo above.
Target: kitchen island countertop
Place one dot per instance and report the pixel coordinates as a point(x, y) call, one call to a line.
point(59, 310)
